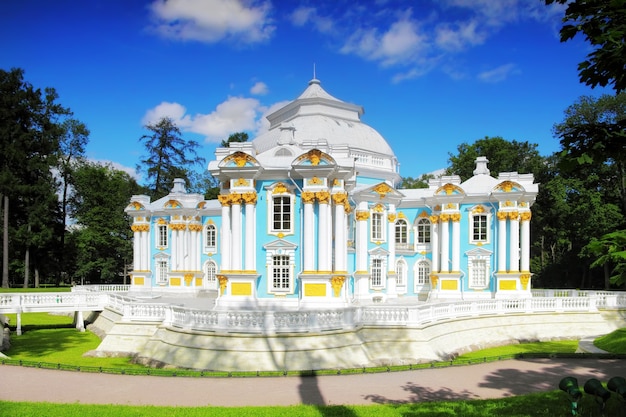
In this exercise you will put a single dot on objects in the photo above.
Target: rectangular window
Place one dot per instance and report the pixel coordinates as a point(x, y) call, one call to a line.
point(377, 226)
point(162, 235)
point(422, 273)
point(211, 236)
point(281, 273)
point(402, 233)
point(377, 273)
point(282, 214)
point(478, 273)
point(479, 229)
point(161, 267)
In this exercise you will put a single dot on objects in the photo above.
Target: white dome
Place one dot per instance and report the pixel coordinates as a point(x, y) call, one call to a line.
point(317, 117)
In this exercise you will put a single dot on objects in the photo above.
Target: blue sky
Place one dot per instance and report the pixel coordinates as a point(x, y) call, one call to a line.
point(430, 74)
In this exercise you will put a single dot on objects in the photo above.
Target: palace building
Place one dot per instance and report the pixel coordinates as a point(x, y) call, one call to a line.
point(310, 214)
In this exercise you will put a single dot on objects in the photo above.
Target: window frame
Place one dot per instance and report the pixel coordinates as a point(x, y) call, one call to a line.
point(162, 271)
point(402, 239)
point(478, 269)
point(285, 277)
point(377, 227)
point(286, 226)
point(208, 247)
point(401, 273)
point(422, 271)
point(480, 233)
point(211, 278)
point(424, 231)
point(162, 236)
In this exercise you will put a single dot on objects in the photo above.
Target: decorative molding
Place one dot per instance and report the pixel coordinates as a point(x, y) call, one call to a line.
point(362, 215)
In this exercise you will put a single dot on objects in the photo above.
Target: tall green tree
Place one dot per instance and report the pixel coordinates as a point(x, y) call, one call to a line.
point(29, 139)
point(421, 182)
point(503, 156)
point(169, 156)
point(603, 24)
point(235, 137)
point(74, 138)
point(101, 237)
point(593, 133)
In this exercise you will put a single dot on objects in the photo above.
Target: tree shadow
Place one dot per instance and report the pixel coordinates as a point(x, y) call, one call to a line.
point(419, 393)
point(310, 394)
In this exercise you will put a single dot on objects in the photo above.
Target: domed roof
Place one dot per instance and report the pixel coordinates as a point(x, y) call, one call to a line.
point(315, 117)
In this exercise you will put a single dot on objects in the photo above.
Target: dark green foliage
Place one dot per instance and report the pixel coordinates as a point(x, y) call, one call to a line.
point(101, 238)
point(169, 157)
point(603, 23)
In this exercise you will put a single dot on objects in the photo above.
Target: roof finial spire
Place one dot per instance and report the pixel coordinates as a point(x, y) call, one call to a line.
point(314, 77)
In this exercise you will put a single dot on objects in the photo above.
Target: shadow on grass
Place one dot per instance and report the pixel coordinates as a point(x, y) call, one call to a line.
point(310, 394)
point(41, 342)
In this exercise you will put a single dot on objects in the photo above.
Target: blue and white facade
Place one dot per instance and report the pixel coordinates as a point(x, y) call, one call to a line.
point(309, 213)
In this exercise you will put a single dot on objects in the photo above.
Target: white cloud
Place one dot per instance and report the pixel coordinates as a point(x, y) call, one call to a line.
point(259, 89)
point(302, 16)
point(212, 20)
point(236, 114)
point(402, 42)
point(498, 74)
point(458, 36)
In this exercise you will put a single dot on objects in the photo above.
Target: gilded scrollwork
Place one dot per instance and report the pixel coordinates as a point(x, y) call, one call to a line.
point(362, 215)
point(308, 197)
point(323, 197)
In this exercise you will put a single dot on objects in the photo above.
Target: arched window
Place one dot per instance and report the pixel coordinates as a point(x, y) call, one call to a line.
point(402, 234)
point(401, 270)
point(377, 232)
point(423, 231)
point(422, 273)
point(210, 275)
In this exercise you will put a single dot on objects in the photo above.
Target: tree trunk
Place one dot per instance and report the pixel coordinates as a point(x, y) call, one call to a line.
point(26, 265)
point(607, 276)
point(5, 242)
point(36, 285)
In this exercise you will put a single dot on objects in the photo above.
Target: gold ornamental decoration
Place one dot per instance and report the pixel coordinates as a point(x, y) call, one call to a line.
point(455, 217)
point(434, 279)
point(525, 216)
point(224, 199)
point(382, 190)
point(323, 197)
point(315, 181)
point(223, 282)
point(340, 198)
point(140, 228)
point(242, 182)
point(249, 198)
point(524, 279)
point(513, 215)
point(391, 217)
point(362, 215)
point(308, 197)
point(337, 282)
point(195, 227)
point(279, 189)
point(315, 156)
point(502, 215)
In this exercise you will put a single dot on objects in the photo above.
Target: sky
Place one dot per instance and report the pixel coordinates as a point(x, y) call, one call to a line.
point(430, 74)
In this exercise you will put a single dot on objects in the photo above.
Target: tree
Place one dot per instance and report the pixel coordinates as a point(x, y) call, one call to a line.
point(421, 182)
point(503, 156)
point(169, 156)
point(594, 133)
point(603, 23)
point(101, 237)
point(29, 139)
point(235, 137)
point(72, 148)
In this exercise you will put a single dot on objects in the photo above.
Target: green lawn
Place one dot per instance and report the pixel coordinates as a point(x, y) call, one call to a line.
point(614, 342)
point(550, 404)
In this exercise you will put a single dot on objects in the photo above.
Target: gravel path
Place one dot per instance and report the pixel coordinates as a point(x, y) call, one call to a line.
point(489, 380)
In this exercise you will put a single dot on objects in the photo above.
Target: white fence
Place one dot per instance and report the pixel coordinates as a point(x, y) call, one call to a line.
point(310, 320)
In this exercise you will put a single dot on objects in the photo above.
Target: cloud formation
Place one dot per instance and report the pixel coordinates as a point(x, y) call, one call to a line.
point(212, 20)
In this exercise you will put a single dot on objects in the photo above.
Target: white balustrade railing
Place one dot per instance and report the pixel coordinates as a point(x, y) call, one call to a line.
point(313, 320)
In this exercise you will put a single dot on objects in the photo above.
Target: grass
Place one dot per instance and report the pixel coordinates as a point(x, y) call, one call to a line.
point(53, 339)
point(562, 346)
point(548, 404)
point(42, 288)
point(614, 342)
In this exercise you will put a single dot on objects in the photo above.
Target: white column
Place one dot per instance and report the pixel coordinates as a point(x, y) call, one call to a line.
point(525, 243)
point(434, 243)
point(456, 242)
point(174, 248)
point(445, 243)
point(144, 256)
point(362, 215)
point(236, 220)
point(341, 243)
point(391, 237)
point(225, 232)
point(308, 238)
point(137, 247)
point(514, 242)
point(250, 256)
point(324, 248)
point(502, 216)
